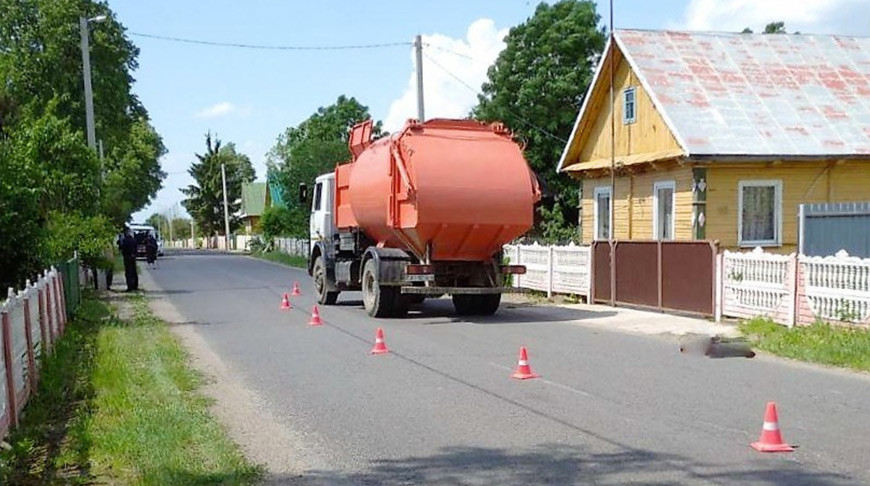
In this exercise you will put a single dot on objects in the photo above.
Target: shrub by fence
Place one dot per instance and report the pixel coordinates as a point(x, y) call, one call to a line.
point(32, 320)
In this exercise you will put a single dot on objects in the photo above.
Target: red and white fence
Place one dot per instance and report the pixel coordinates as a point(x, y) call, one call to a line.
point(32, 320)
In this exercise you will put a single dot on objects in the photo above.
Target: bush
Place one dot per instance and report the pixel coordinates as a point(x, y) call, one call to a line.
point(91, 236)
point(281, 221)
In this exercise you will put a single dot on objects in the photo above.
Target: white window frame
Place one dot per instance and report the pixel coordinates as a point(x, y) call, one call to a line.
point(672, 185)
point(598, 191)
point(777, 212)
point(625, 119)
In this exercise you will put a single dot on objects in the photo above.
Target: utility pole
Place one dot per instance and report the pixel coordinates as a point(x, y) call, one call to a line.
point(610, 226)
point(89, 92)
point(418, 46)
point(171, 218)
point(226, 206)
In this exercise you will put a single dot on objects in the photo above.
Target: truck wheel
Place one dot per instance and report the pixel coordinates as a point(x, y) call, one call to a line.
point(476, 304)
point(324, 296)
point(379, 301)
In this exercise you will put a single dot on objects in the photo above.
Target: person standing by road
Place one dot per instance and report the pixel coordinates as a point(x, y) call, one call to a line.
point(128, 251)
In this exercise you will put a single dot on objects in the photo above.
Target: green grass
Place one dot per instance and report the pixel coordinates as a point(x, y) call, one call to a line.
point(118, 404)
point(819, 343)
point(283, 258)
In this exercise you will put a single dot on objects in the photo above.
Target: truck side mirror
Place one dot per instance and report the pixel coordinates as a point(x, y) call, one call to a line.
point(303, 193)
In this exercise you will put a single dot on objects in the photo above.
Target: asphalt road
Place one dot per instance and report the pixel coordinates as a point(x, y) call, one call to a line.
point(610, 408)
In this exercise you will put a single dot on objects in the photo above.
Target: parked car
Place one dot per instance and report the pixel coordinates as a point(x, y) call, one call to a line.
point(140, 232)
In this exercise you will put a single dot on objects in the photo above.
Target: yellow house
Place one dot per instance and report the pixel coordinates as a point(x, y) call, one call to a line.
point(720, 136)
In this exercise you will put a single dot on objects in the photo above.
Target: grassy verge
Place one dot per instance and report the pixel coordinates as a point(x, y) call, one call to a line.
point(819, 343)
point(118, 404)
point(278, 257)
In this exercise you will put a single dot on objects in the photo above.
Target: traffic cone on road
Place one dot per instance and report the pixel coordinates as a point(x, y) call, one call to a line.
point(296, 290)
point(380, 345)
point(285, 302)
point(524, 371)
point(315, 317)
point(771, 439)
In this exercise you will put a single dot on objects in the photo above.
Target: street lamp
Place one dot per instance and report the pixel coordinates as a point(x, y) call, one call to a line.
point(86, 65)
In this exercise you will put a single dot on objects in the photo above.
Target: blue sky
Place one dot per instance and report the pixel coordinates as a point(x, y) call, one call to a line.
point(250, 96)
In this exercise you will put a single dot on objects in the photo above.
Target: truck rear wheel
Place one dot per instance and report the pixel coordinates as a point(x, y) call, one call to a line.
point(321, 287)
point(476, 304)
point(378, 300)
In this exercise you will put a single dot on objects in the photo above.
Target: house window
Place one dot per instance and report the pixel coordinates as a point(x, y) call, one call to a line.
point(602, 213)
point(663, 210)
point(318, 196)
point(760, 213)
point(629, 104)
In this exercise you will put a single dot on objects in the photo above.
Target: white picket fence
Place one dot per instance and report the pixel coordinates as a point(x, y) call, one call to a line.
point(795, 289)
point(293, 246)
point(553, 269)
point(32, 320)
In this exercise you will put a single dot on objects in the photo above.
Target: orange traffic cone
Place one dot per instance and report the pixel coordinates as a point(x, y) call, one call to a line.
point(315, 317)
point(296, 290)
point(380, 345)
point(524, 371)
point(285, 302)
point(771, 439)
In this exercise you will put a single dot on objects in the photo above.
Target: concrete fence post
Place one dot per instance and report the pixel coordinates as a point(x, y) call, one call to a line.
point(550, 271)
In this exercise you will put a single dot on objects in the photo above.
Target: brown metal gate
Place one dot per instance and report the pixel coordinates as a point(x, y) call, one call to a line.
point(666, 275)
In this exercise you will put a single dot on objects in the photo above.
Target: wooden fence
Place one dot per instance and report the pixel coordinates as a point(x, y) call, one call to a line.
point(32, 320)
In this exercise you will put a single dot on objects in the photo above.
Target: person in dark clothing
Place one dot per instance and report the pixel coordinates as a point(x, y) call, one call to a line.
point(128, 251)
point(151, 250)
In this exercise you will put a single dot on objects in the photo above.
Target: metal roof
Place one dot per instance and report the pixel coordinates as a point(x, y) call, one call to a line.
point(755, 94)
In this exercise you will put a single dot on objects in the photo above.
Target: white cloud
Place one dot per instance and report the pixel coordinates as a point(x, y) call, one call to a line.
point(222, 109)
point(845, 17)
point(444, 96)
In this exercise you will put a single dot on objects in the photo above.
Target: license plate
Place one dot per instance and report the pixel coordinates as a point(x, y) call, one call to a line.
point(420, 278)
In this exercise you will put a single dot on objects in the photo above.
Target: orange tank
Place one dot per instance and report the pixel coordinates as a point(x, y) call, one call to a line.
point(458, 189)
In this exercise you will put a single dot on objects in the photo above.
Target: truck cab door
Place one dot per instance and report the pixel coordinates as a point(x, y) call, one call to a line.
point(322, 226)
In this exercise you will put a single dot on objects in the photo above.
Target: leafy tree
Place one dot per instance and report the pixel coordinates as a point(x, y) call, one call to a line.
point(537, 84)
point(132, 173)
point(21, 224)
point(775, 28)
point(90, 236)
point(205, 197)
point(313, 147)
point(771, 28)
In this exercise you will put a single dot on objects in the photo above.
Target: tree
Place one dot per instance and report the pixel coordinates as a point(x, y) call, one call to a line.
point(205, 202)
point(771, 28)
point(313, 147)
point(537, 84)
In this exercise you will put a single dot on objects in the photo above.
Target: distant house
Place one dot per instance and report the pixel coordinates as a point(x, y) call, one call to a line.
point(720, 136)
point(253, 205)
point(257, 197)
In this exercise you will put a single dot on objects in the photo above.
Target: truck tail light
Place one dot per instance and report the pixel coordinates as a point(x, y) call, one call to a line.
point(413, 269)
point(514, 269)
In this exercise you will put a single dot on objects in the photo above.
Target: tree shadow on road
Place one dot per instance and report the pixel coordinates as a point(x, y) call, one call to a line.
point(560, 465)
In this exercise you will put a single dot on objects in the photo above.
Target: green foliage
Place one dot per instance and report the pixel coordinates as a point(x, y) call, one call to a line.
point(91, 236)
point(132, 173)
point(775, 28)
point(21, 224)
point(205, 197)
point(537, 84)
point(281, 221)
point(46, 167)
point(819, 343)
point(553, 228)
point(314, 147)
point(282, 258)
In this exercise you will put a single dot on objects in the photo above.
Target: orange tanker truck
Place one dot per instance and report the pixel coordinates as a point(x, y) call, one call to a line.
point(424, 212)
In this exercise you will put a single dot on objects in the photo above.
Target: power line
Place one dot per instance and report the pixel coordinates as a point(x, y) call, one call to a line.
point(451, 51)
point(475, 91)
point(268, 47)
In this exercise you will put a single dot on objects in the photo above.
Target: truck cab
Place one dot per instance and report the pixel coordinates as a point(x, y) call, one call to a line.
point(321, 222)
